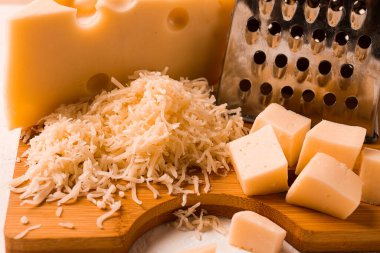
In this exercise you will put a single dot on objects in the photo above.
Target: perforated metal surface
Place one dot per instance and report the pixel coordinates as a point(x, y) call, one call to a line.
point(317, 58)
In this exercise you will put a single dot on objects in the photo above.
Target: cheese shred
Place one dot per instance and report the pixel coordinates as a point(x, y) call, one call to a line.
point(26, 231)
point(151, 131)
point(187, 220)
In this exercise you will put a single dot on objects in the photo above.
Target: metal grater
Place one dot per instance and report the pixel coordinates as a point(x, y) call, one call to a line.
point(317, 58)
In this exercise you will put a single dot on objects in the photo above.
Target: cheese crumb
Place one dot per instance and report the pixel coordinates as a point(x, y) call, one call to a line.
point(151, 131)
point(24, 220)
point(121, 194)
point(67, 225)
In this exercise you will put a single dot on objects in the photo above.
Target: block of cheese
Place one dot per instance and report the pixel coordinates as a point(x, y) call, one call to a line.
point(328, 186)
point(341, 141)
point(370, 175)
point(290, 129)
point(205, 249)
point(255, 233)
point(259, 162)
point(58, 53)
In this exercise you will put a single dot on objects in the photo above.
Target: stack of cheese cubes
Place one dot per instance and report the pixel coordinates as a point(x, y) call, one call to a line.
point(324, 156)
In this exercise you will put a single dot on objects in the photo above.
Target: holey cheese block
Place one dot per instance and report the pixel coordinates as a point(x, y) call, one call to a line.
point(59, 51)
point(307, 230)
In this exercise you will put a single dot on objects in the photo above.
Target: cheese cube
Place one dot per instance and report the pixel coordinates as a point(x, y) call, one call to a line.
point(58, 54)
point(290, 129)
point(259, 162)
point(255, 233)
point(342, 142)
point(328, 186)
point(370, 175)
point(205, 249)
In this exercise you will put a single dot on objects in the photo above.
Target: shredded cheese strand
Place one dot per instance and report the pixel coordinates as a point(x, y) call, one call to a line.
point(155, 128)
point(26, 231)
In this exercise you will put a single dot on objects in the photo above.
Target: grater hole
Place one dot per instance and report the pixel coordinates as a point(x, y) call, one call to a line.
point(336, 5)
point(329, 99)
point(253, 25)
point(313, 3)
point(245, 85)
point(319, 35)
point(347, 70)
point(259, 57)
point(308, 95)
point(342, 38)
point(287, 92)
point(296, 31)
point(364, 41)
point(351, 103)
point(359, 7)
point(274, 28)
point(289, 2)
point(281, 60)
point(324, 67)
point(266, 89)
point(302, 64)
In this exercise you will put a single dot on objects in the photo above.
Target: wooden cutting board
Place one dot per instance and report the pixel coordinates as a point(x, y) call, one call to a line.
point(308, 231)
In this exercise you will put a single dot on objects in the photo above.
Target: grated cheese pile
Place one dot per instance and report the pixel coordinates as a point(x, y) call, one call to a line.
point(152, 131)
point(187, 220)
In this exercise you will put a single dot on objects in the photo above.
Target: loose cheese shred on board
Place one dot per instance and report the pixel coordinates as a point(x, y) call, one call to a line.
point(26, 231)
point(153, 131)
point(67, 225)
point(59, 211)
point(188, 220)
point(114, 208)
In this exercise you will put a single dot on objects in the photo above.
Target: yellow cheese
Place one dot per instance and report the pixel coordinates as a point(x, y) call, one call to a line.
point(370, 175)
point(290, 129)
point(328, 186)
point(342, 142)
point(205, 249)
point(255, 233)
point(259, 162)
point(57, 54)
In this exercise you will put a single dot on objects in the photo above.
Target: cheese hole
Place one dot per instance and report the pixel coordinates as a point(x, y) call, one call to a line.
point(98, 83)
point(178, 19)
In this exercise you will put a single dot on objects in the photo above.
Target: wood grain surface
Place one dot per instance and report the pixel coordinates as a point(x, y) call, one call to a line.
point(308, 231)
